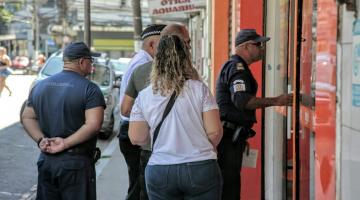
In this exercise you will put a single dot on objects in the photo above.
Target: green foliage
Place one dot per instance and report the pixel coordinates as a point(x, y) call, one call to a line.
point(5, 16)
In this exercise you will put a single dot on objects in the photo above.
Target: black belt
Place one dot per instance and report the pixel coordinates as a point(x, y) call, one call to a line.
point(229, 125)
point(94, 154)
point(78, 150)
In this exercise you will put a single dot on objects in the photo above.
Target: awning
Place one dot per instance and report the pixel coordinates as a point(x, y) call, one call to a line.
point(7, 37)
point(113, 44)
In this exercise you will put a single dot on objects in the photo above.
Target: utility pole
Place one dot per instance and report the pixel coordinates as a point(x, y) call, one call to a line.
point(137, 24)
point(36, 28)
point(64, 22)
point(87, 24)
point(63, 7)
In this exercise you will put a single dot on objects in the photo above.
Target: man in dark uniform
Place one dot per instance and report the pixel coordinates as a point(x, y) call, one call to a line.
point(236, 90)
point(63, 115)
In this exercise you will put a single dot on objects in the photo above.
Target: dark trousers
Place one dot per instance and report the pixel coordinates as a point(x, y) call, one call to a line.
point(230, 161)
point(144, 158)
point(66, 177)
point(132, 158)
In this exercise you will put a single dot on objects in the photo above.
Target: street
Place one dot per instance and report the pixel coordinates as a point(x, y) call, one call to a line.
point(18, 152)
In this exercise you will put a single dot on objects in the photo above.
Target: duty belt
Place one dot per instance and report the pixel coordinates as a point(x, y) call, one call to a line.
point(229, 125)
point(79, 150)
point(237, 134)
point(94, 154)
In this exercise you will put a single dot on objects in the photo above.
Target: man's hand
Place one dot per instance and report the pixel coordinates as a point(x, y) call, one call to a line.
point(56, 145)
point(284, 100)
point(44, 143)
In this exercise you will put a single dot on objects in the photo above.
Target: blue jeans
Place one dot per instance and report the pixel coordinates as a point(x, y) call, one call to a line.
point(188, 181)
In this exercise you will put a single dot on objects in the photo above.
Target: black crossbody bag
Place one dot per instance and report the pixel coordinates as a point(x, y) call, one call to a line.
point(166, 112)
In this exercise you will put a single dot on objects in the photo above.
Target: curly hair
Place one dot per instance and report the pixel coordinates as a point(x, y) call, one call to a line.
point(171, 66)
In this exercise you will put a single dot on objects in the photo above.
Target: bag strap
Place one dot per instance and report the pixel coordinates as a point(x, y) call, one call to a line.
point(166, 112)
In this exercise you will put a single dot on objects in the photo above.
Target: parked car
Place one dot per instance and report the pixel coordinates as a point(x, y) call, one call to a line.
point(20, 62)
point(119, 65)
point(103, 76)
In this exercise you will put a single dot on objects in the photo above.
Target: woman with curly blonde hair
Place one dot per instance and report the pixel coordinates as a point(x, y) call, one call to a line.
point(183, 161)
point(171, 73)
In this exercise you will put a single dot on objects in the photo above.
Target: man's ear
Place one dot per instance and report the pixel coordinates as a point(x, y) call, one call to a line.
point(152, 44)
point(81, 61)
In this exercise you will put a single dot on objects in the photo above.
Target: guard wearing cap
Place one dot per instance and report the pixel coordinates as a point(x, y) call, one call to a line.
point(150, 37)
point(236, 90)
point(63, 115)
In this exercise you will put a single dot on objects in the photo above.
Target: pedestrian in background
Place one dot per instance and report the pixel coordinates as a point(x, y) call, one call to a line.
point(236, 90)
point(64, 114)
point(5, 64)
point(131, 153)
point(183, 160)
point(139, 80)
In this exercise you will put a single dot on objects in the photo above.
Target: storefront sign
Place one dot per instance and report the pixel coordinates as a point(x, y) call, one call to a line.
point(356, 65)
point(164, 7)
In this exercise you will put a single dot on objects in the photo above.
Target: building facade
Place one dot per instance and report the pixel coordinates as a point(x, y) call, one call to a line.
point(308, 151)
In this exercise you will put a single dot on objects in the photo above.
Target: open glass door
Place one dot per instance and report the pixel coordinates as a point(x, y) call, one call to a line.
point(306, 101)
point(289, 69)
point(301, 55)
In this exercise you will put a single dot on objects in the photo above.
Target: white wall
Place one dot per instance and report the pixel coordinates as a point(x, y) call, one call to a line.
point(348, 121)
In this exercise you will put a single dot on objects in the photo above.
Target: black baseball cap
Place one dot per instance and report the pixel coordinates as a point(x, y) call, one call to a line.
point(153, 29)
point(77, 50)
point(249, 34)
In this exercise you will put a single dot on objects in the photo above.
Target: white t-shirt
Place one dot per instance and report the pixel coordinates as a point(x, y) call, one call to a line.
point(182, 137)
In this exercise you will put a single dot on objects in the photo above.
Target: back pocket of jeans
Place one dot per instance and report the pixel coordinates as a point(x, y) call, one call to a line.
point(157, 176)
point(204, 174)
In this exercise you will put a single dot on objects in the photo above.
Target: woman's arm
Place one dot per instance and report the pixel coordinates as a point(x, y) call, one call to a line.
point(139, 132)
point(6, 60)
point(213, 127)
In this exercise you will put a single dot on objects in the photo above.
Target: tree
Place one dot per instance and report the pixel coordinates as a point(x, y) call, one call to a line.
point(5, 18)
point(137, 24)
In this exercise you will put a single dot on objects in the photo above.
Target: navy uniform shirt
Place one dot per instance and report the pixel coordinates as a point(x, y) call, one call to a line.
point(234, 88)
point(60, 102)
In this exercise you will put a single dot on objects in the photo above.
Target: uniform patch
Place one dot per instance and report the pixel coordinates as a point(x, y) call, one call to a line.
point(240, 87)
point(238, 81)
point(240, 66)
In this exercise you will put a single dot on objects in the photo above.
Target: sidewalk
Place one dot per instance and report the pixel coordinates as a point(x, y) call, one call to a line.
point(111, 175)
point(111, 170)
